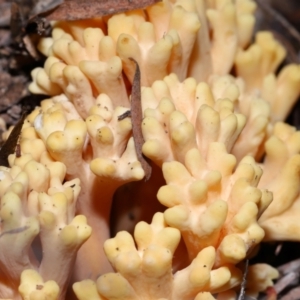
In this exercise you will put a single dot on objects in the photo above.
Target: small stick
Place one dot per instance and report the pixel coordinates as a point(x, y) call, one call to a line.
point(136, 119)
point(244, 282)
point(124, 115)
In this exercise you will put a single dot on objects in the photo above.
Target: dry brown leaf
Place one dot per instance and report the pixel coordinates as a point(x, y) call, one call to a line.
point(10, 145)
point(82, 9)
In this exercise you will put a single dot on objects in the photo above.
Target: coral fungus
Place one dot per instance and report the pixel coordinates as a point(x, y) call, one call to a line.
point(225, 165)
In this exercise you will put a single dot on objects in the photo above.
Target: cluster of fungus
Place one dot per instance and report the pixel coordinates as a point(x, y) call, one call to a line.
point(225, 166)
